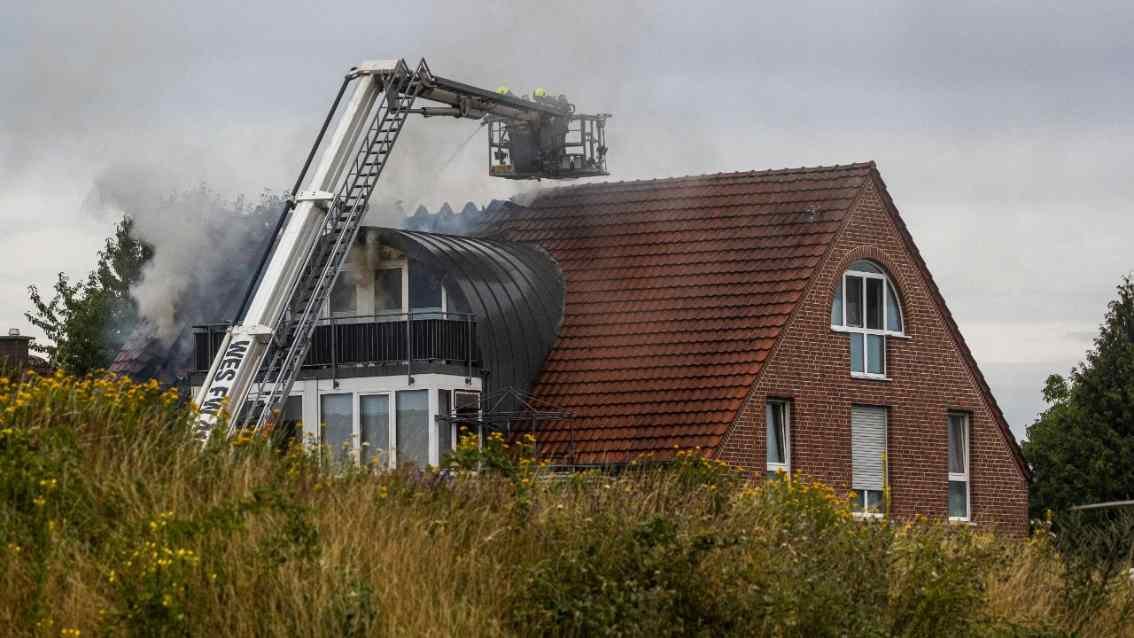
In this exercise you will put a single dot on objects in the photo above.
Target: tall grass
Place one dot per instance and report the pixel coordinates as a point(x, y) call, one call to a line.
point(114, 522)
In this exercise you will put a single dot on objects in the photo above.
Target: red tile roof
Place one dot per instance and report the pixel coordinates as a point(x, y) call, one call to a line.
point(677, 290)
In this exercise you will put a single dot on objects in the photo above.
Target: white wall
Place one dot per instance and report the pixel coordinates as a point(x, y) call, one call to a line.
point(312, 389)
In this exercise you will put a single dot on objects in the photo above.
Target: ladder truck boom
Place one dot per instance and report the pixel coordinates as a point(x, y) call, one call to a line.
point(262, 352)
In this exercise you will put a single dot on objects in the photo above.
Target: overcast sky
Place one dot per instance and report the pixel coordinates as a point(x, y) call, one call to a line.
point(1003, 129)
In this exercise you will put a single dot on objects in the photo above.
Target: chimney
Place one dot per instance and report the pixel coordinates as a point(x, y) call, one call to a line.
point(13, 351)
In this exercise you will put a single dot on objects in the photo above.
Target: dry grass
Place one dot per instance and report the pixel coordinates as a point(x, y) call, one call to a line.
point(113, 522)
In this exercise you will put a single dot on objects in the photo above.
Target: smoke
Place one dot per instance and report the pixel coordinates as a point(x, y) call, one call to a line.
point(205, 248)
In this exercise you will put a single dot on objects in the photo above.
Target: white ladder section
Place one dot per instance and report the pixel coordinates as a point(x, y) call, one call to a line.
point(266, 348)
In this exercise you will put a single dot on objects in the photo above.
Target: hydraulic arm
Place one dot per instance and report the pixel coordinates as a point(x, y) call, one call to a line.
point(261, 354)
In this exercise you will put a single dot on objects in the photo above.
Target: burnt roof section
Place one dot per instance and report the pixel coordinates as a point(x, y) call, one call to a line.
point(514, 289)
point(677, 290)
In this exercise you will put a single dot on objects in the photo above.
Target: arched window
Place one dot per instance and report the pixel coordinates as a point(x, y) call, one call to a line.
point(866, 306)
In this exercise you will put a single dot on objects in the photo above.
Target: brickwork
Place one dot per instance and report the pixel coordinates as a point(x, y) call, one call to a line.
point(13, 352)
point(929, 376)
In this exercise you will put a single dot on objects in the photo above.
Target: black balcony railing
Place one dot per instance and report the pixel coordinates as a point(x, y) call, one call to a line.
point(437, 337)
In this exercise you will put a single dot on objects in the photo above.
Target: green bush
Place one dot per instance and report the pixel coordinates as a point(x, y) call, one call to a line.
point(115, 522)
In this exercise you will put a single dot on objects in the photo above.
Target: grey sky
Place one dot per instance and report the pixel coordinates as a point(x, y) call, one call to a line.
point(1003, 132)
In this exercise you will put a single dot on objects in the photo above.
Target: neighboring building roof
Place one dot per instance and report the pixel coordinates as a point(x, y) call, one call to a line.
point(146, 356)
point(677, 289)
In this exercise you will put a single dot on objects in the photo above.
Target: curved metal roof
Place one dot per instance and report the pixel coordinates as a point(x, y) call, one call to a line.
point(515, 289)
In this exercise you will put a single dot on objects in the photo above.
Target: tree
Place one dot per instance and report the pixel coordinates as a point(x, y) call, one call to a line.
point(1081, 448)
point(88, 321)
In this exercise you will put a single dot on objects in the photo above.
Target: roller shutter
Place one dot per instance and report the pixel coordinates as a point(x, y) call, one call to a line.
point(868, 444)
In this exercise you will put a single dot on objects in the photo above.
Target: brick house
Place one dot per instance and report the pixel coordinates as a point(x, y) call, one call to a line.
point(728, 311)
point(783, 321)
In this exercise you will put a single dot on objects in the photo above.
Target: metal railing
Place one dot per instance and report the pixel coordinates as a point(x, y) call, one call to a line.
point(381, 339)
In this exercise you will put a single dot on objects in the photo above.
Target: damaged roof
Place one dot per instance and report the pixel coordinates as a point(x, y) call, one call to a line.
point(677, 290)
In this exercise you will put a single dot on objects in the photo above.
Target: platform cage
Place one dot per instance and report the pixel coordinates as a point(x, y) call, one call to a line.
point(554, 147)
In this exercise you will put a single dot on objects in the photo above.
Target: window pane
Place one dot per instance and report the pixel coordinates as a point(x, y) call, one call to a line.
point(343, 299)
point(874, 304)
point(425, 289)
point(290, 428)
point(865, 266)
point(444, 428)
point(388, 290)
point(854, 302)
point(837, 305)
point(876, 354)
point(455, 301)
point(873, 500)
point(958, 446)
point(336, 413)
point(374, 422)
point(777, 432)
point(857, 360)
point(959, 499)
point(893, 310)
point(413, 427)
point(466, 405)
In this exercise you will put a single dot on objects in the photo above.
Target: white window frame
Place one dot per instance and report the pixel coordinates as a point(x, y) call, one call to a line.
point(364, 304)
point(400, 265)
point(883, 333)
point(860, 501)
point(452, 426)
point(313, 391)
point(861, 494)
point(962, 476)
point(391, 433)
point(479, 415)
point(355, 434)
point(406, 309)
point(785, 467)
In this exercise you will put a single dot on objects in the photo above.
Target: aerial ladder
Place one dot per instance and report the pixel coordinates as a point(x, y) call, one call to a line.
point(537, 137)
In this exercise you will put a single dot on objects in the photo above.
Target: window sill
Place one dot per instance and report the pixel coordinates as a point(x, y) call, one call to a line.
point(885, 333)
point(870, 377)
point(961, 521)
point(871, 516)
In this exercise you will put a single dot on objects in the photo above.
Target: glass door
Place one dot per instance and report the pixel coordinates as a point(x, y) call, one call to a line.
point(374, 430)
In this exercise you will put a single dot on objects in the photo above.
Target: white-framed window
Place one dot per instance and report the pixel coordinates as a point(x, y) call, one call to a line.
point(289, 429)
point(383, 422)
point(466, 407)
point(868, 459)
point(959, 497)
point(411, 438)
point(777, 416)
point(337, 432)
point(445, 428)
point(343, 300)
point(866, 307)
point(374, 430)
point(391, 290)
point(389, 284)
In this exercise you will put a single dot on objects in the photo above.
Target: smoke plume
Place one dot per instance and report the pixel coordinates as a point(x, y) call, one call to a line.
point(205, 248)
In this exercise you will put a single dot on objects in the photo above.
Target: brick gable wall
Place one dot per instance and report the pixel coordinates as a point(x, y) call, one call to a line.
point(929, 378)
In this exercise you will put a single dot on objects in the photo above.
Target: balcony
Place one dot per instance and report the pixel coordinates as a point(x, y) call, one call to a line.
point(409, 341)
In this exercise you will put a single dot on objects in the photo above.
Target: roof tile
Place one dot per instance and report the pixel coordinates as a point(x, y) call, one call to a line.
point(677, 290)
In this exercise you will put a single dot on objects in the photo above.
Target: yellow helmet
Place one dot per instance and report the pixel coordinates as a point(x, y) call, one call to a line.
point(503, 90)
point(540, 92)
